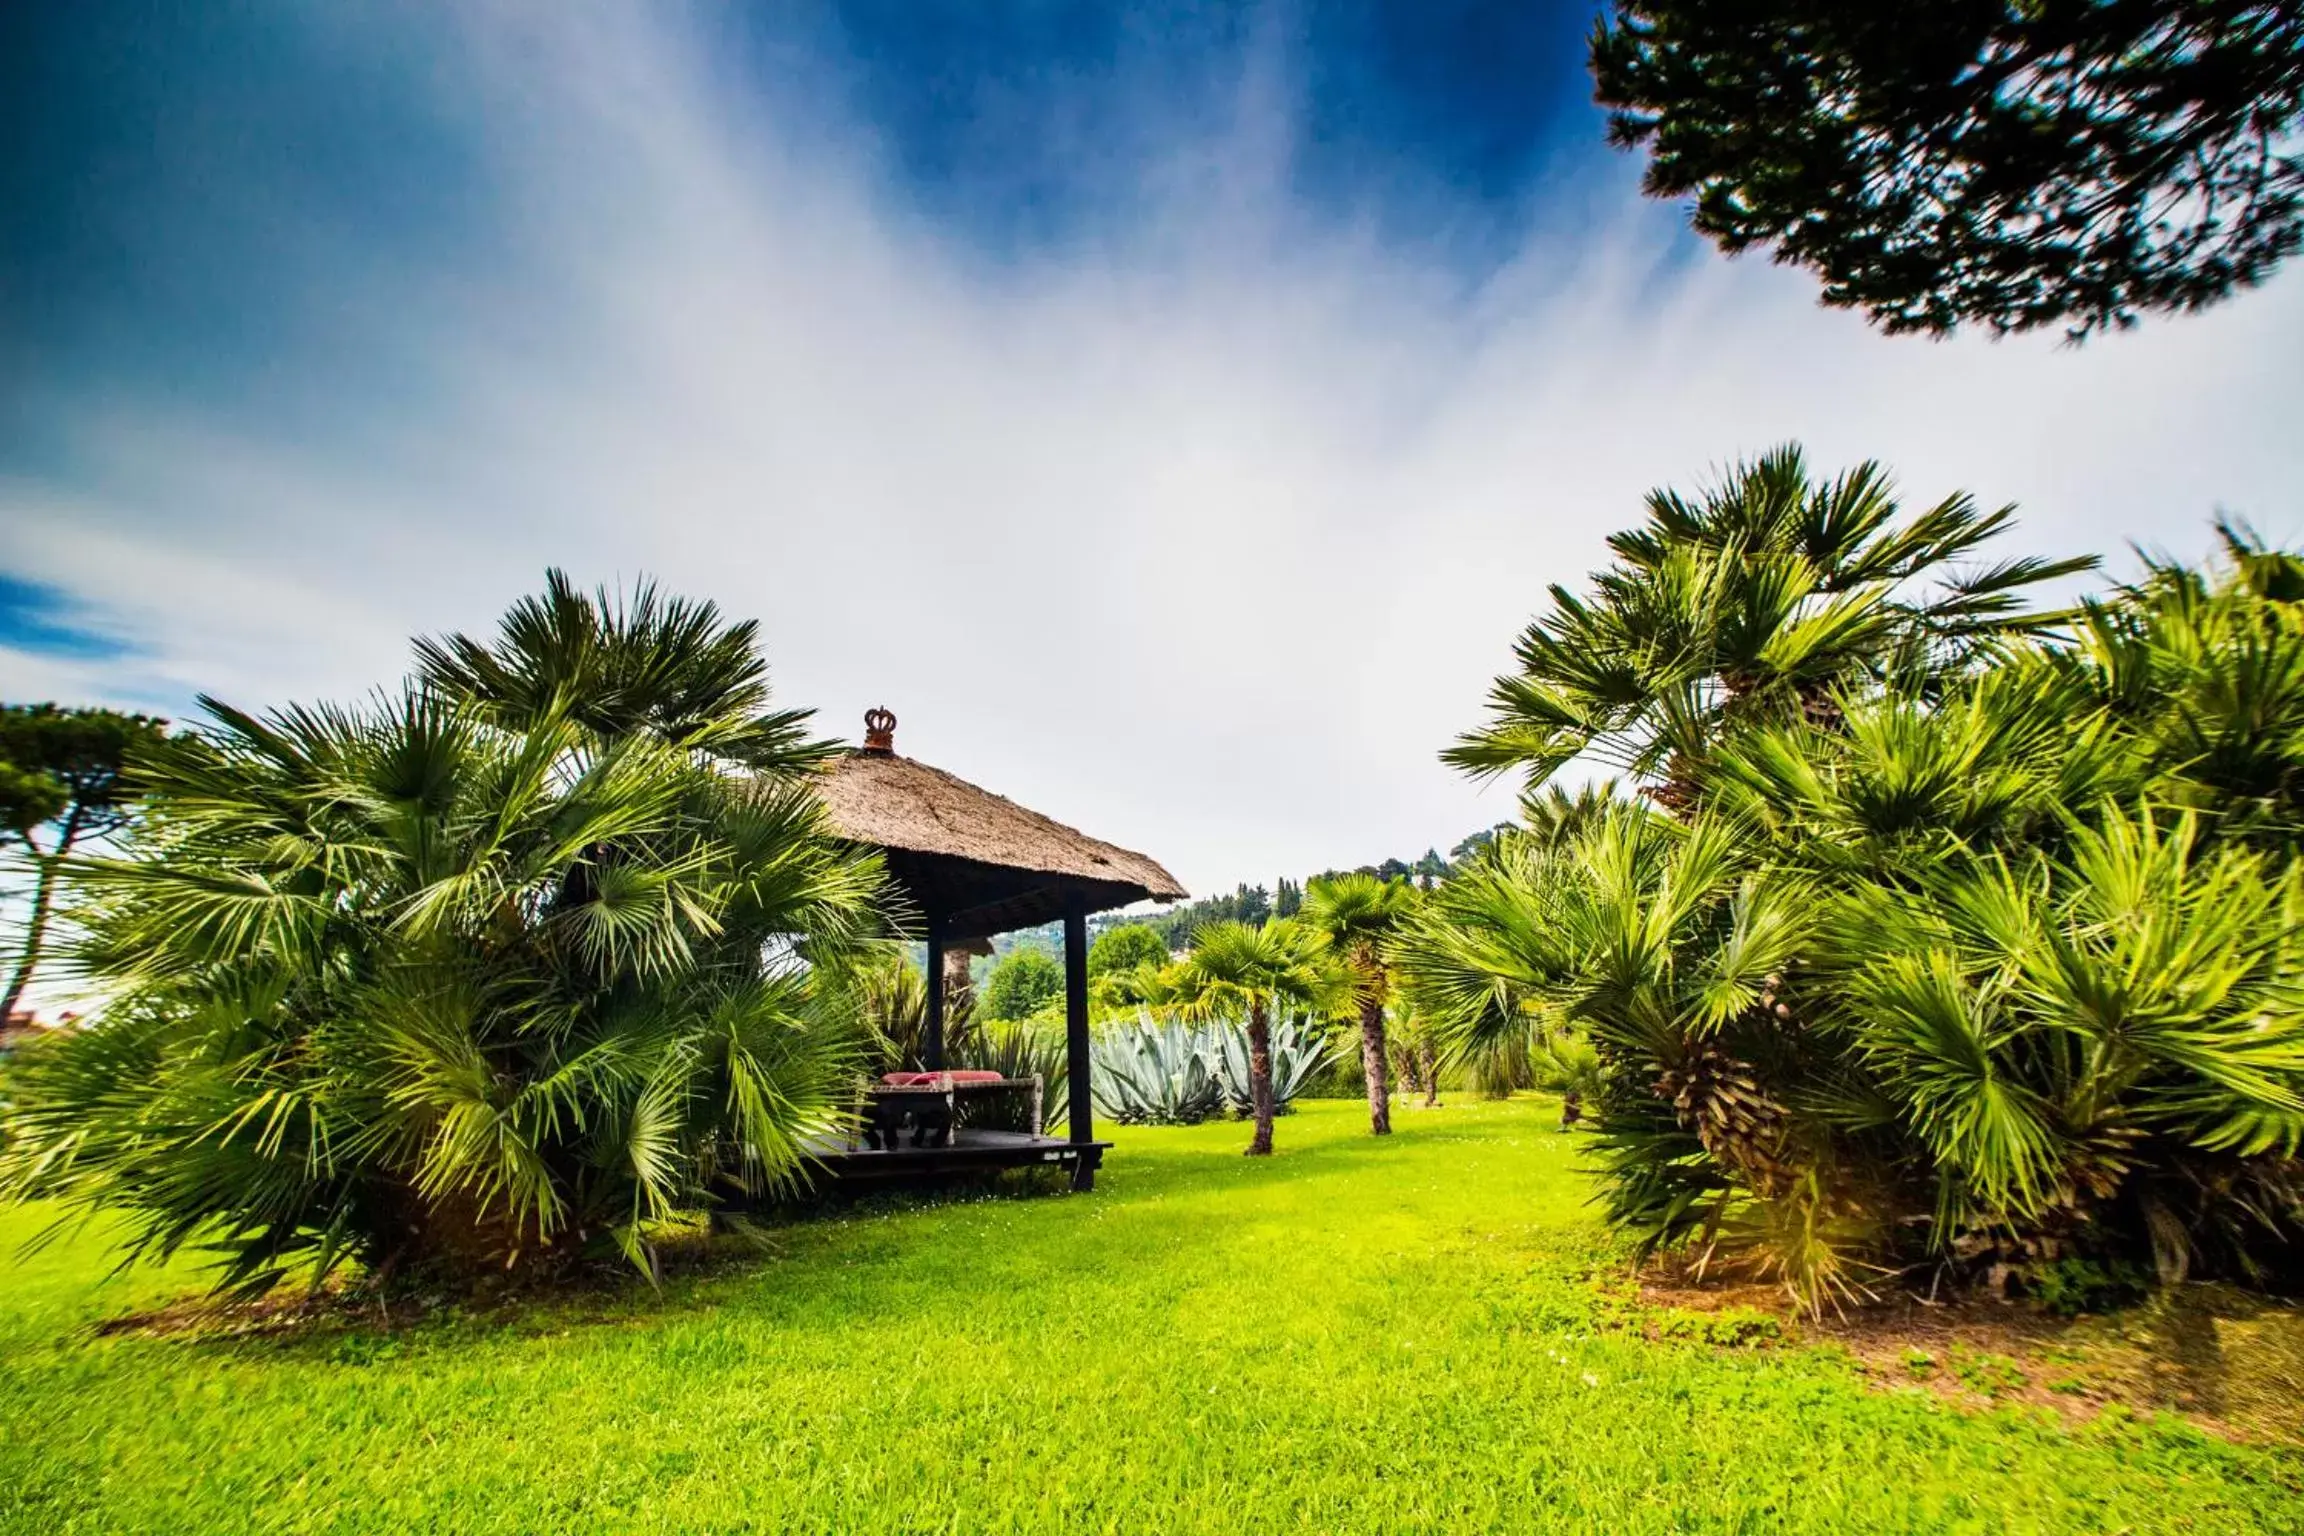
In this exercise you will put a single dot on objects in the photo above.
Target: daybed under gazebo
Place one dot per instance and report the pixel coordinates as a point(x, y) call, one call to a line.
point(976, 864)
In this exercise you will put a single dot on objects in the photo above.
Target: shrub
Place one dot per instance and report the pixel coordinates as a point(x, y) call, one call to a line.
point(471, 979)
point(2071, 1286)
point(1342, 1078)
point(1016, 1048)
point(1124, 948)
point(893, 996)
point(1981, 967)
point(1021, 984)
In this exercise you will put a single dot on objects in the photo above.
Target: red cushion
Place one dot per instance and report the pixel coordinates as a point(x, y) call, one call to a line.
point(907, 1079)
point(975, 1077)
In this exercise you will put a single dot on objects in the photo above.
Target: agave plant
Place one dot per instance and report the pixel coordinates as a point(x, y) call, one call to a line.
point(443, 983)
point(1156, 1072)
point(1172, 1071)
point(1302, 1049)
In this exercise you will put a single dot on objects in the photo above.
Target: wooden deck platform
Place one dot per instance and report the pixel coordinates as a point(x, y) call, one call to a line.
point(971, 1151)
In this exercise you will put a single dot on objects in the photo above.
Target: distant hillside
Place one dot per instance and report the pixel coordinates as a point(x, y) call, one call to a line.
point(1246, 903)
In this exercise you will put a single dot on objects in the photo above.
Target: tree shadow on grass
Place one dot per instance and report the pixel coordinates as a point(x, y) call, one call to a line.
point(2225, 1359)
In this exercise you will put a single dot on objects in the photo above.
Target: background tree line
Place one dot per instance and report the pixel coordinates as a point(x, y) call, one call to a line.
point(1258, 904)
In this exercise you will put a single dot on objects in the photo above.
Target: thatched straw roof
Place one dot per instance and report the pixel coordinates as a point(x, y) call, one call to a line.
point(970, 854)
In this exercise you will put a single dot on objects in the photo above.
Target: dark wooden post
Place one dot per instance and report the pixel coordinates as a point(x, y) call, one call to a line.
point(932, 1053)
point(1076, 1040)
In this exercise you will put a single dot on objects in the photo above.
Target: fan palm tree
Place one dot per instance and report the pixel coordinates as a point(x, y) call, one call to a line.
point(1910, 989)
point(436, 984)
point(1414, 1057)
point(1358, 915)
point(1235, 968)
point(1756, 601)
point(621, 664)
point(2109, 1034)
point(1983, 966)
point(2202, 672)
point(1664, 944)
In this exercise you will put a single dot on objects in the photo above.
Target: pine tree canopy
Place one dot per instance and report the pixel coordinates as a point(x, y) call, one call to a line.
point(2010, 163)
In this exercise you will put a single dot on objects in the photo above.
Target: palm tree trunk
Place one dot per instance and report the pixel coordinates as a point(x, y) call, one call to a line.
point(1429, 1070)
point(1372, 1063)
point(43, 891)
point(959, 1003)
point(1676, 795)
point(1260, 1078)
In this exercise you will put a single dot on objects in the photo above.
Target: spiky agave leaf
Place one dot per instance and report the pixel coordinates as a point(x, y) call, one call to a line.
point(1156, 1072)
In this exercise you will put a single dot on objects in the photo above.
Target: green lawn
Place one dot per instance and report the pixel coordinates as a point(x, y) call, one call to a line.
point(1353, 1336)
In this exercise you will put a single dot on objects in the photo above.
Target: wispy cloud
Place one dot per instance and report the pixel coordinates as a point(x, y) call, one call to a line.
point(46, 621)
point(54, 645)
point(1203, 526)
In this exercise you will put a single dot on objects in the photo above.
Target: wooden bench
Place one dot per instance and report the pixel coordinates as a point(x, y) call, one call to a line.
point(930, 1103)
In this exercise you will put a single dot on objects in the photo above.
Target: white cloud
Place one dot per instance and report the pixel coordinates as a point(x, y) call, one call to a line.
point(1206, 538)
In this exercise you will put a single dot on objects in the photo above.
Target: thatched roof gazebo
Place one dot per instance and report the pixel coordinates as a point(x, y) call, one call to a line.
point(974, 864)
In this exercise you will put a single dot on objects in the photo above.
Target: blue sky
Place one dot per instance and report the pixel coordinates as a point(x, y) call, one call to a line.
point(1171, 411)
point(198, 187)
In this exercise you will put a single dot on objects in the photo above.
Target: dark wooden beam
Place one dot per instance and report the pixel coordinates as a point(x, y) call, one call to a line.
point(970, 1153)
point(1076, 1068)
point(933, 1052)
point(968, 900)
